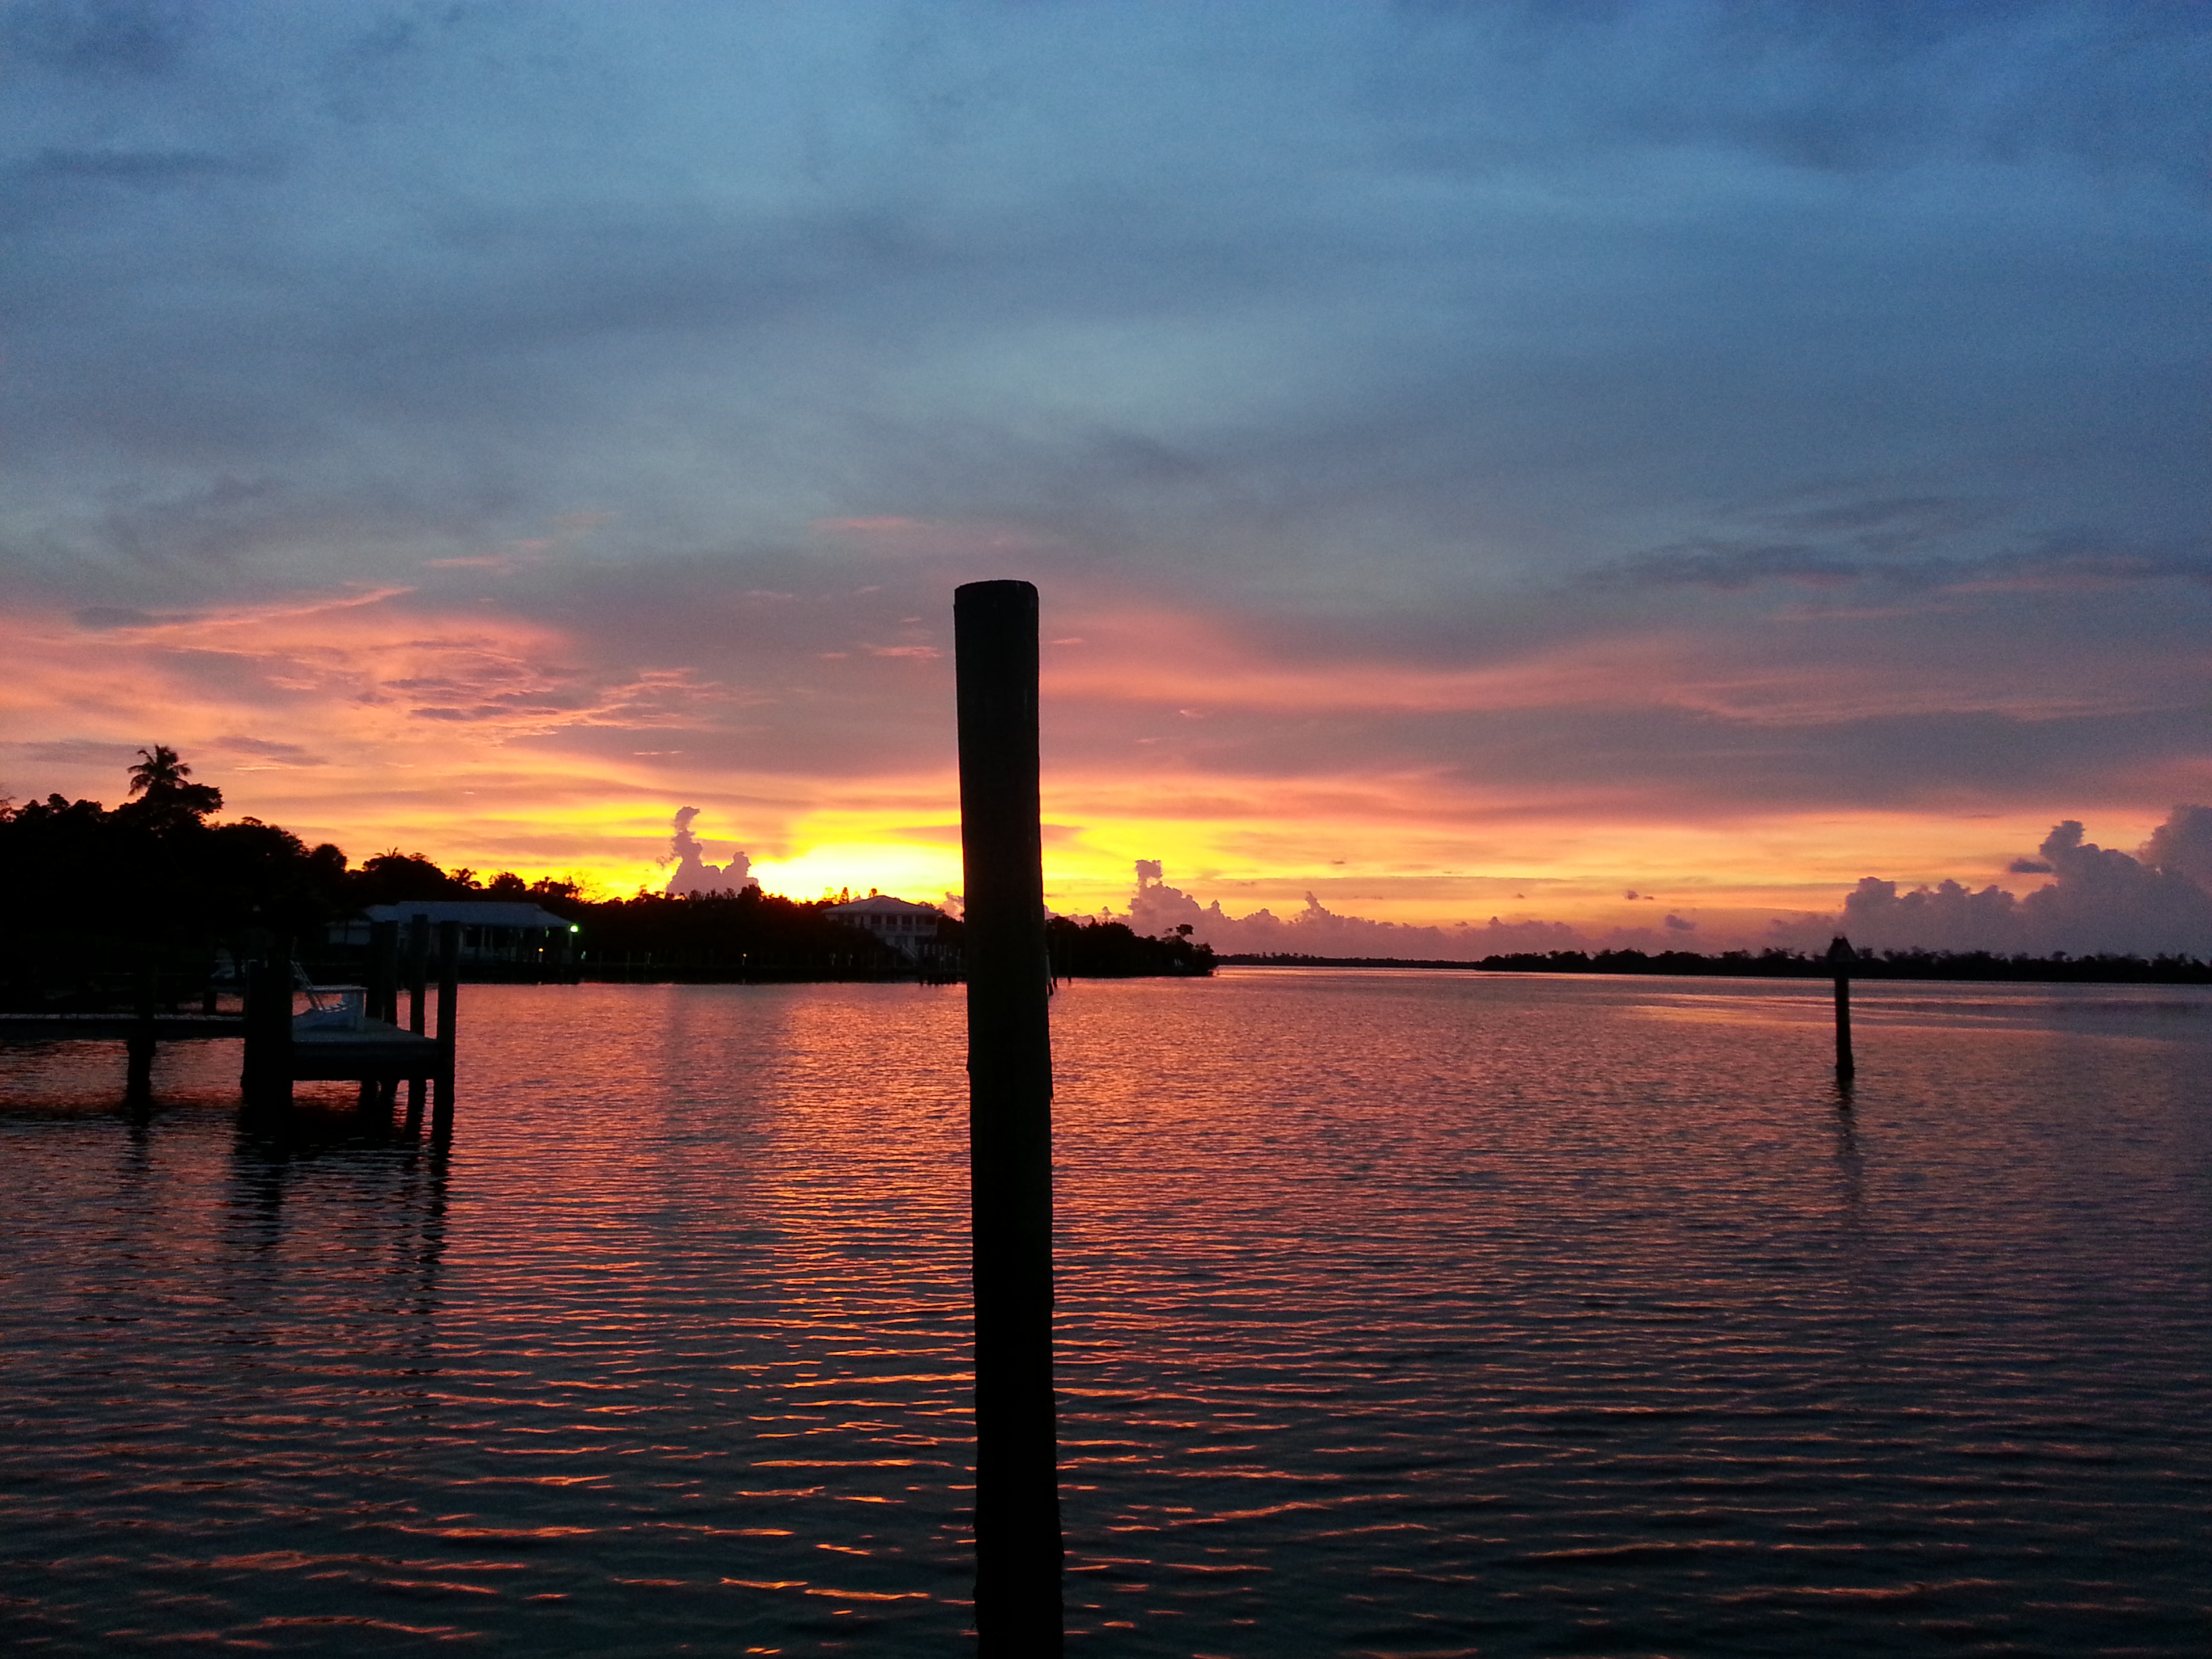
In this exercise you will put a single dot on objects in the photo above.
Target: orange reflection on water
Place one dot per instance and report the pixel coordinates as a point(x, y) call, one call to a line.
point(1458, 1306)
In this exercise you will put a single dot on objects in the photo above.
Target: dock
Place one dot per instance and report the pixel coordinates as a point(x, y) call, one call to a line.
point(379, 1052)
point(347, 1034)
point(118, 1028)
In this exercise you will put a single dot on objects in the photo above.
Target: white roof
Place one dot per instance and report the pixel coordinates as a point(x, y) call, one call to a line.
point(882, 904)
point(469, 913)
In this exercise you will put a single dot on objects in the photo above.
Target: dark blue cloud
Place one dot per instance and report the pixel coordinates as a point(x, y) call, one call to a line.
point(1403, 330)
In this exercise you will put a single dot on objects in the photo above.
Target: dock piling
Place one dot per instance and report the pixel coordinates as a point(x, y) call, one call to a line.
point(418, 972)
point(1018, 1538)
point(268, 1076)
point(449, 988)
point(138, 1085)
point(1840, 958)
point(383, 988)
point(380, 1001)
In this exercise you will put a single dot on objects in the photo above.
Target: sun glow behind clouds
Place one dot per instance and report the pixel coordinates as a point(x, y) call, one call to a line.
point(1478, 460)
point(500, 737)
point(922, 873)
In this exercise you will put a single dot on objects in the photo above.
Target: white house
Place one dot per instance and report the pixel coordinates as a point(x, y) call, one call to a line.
point(908, 928)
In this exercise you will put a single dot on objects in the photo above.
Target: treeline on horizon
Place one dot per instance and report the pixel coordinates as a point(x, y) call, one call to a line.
point(1792, 965)
point(96, 895)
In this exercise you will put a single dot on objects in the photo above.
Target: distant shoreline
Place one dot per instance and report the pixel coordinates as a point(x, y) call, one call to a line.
point(1968, 966)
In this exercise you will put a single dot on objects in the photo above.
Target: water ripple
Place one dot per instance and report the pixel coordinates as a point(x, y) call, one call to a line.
point(1404, 1314)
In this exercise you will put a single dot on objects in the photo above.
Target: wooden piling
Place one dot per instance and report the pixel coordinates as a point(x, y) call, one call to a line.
point(138, 1085)
point(449, 988)
point(384, 992)
point(379, 986)
point(1840, 958)
point(417, 973)
point(382, 989)
point(1017, 1540)
point(268, 1076)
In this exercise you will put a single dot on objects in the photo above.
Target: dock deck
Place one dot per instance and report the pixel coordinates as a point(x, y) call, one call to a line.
point(370, 1048)
point(378, 1051)
point(118, 1028)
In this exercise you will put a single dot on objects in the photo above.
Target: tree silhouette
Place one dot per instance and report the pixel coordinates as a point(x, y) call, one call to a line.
point(158, 769)
point(164, 796)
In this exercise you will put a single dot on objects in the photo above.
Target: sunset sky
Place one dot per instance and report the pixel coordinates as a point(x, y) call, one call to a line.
point(1478, 461)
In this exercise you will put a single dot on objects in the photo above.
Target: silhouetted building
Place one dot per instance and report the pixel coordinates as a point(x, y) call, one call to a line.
point(492, 930)
point(908, 928)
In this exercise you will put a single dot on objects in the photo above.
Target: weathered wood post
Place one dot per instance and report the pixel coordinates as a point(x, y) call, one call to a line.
point(1018, 1546)
point(449, 990)
point(268, 1077)
point(418, 996)
point(383, 987)
point(418, 972)
point(138, 1080)
point(1840, 958)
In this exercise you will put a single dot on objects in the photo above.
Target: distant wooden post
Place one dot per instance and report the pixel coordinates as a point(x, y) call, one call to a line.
point(138, 1085)
point(1017, 1545)
point(449, 988)
point(268, 1078)
point(1840, 958)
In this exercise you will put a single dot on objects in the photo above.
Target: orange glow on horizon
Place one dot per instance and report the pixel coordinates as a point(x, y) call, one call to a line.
point(377, 719)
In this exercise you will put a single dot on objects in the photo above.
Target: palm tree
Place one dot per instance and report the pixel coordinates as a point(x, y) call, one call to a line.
point(161, 780)
point(158, 769)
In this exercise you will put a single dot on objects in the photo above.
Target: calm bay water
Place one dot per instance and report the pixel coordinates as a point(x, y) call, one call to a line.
point(1400, 1313)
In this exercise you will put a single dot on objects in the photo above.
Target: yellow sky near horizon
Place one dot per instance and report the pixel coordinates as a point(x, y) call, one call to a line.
point(1555, 480)
point(302, 715)
point(380, 721)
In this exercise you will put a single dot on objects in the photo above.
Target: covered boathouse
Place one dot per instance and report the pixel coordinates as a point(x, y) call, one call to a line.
point(501, 938)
